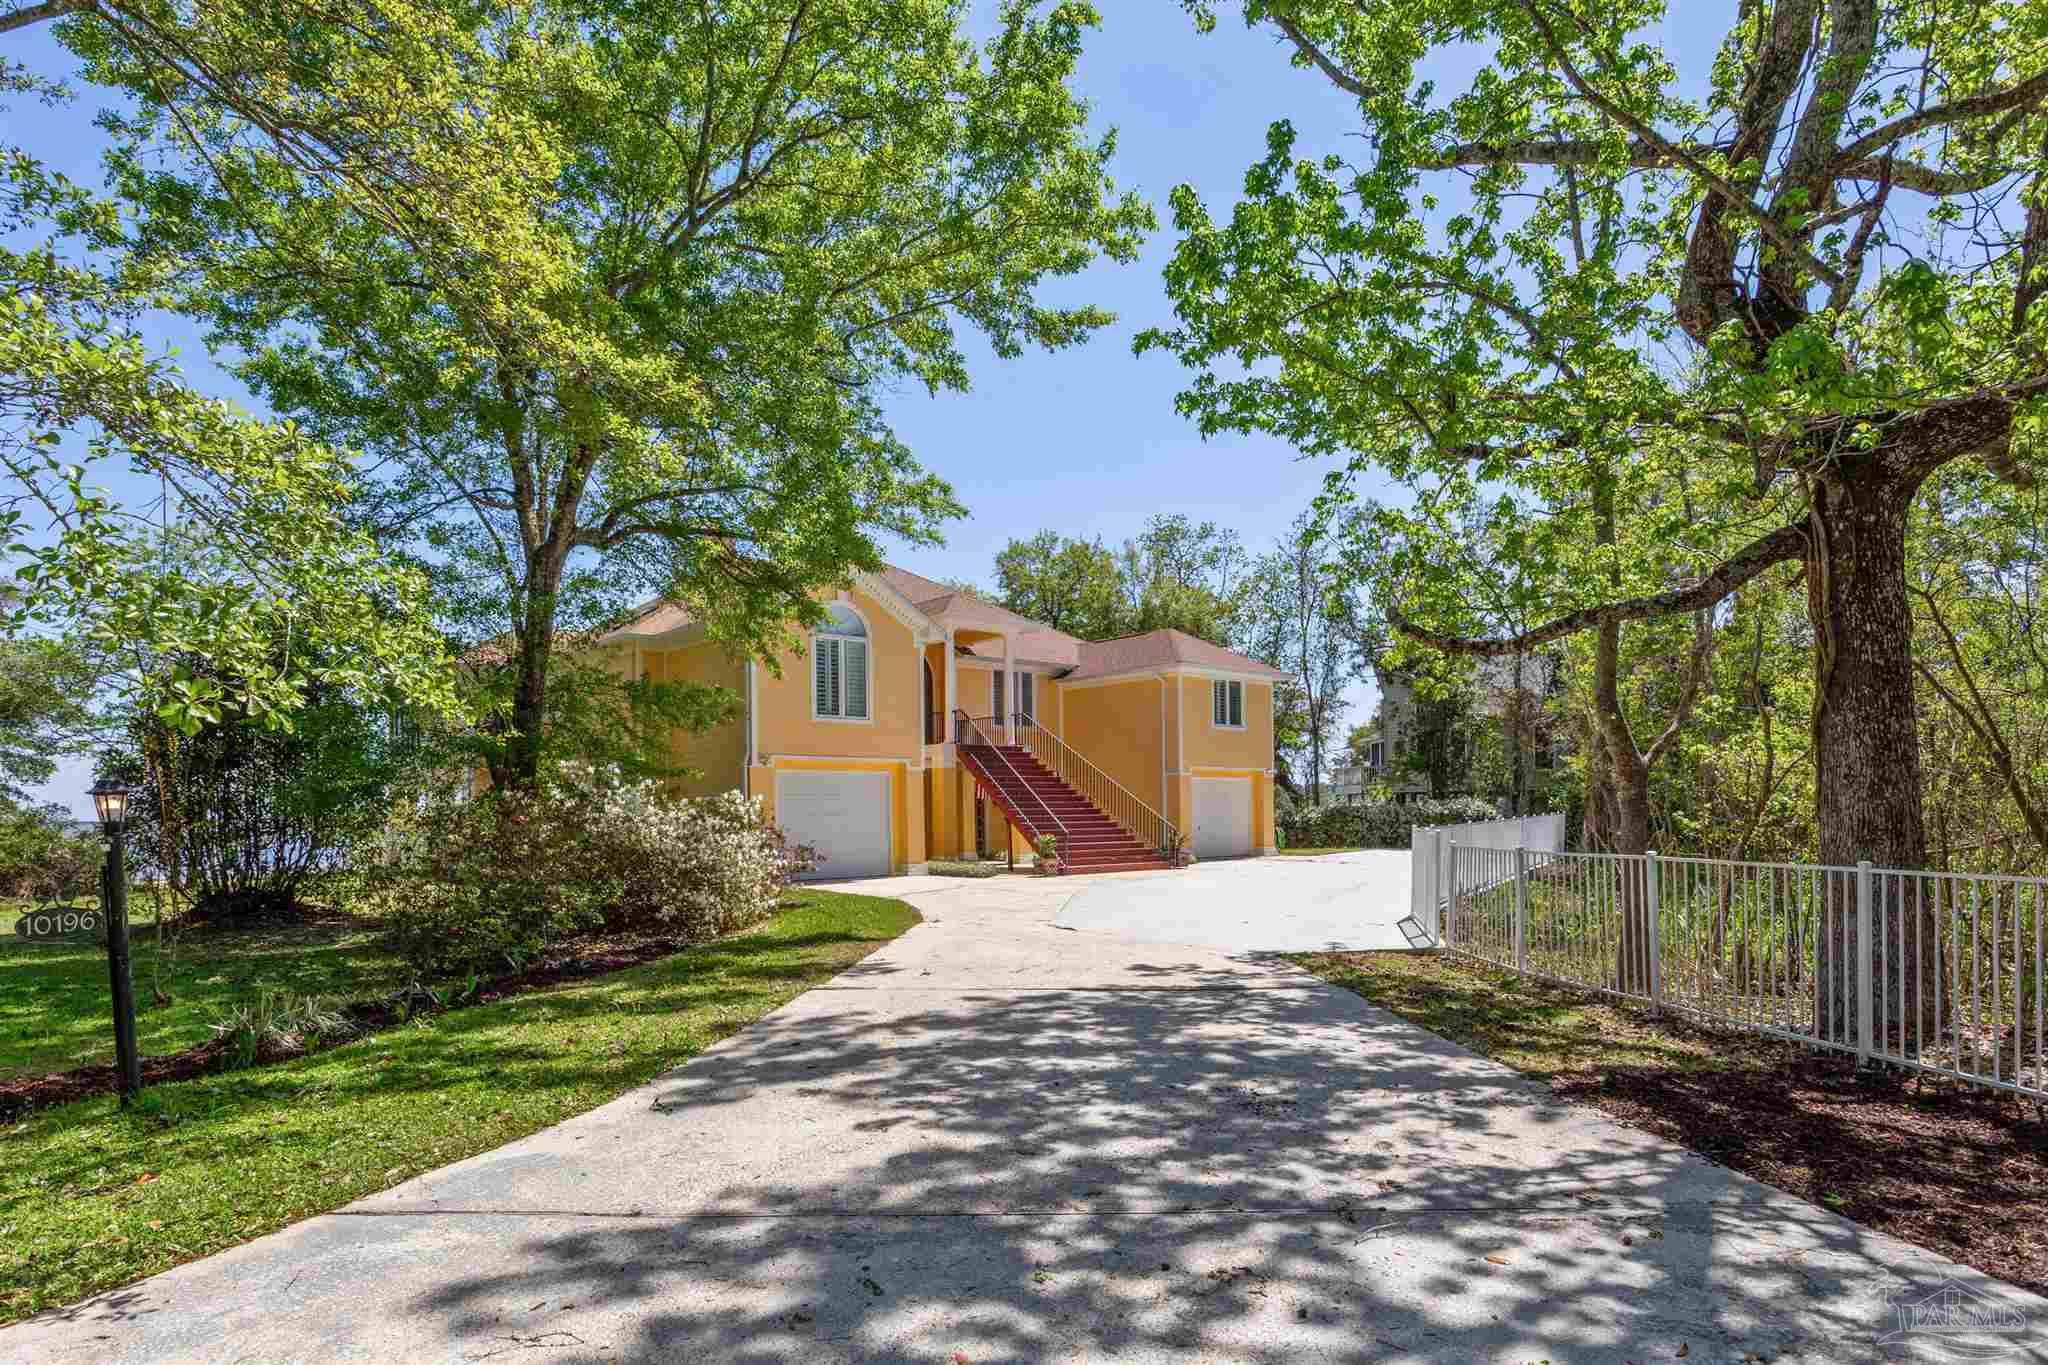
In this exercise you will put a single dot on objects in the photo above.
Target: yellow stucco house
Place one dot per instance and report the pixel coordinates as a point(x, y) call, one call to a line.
point(922, 722)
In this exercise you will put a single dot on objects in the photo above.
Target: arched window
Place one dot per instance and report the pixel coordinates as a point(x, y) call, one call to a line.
point(839, 665)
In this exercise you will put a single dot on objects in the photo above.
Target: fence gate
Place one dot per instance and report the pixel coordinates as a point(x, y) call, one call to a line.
point(1430, 874)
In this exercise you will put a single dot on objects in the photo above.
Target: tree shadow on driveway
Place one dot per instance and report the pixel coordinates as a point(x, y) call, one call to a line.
point(1260, 1170)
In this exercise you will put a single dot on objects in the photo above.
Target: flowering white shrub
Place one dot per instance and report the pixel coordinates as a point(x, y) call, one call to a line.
point(480, 887)
point(702, 866)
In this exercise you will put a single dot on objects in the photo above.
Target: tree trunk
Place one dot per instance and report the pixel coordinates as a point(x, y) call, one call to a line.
point(536, 636)
point(1518, 785)
point(1629, 783)
point(1866, 743)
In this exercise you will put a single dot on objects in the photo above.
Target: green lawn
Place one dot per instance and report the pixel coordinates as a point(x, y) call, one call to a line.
point(1311, 852)
point(92, 1197)
point(55, 1009)
point(1543, 1030)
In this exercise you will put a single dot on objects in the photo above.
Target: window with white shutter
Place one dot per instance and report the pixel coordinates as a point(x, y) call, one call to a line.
point(825, 676)
point(839, 666)
point(853, 656)
point(1226, 705)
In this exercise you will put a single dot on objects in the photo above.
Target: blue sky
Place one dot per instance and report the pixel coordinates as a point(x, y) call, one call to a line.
point(1084, 441)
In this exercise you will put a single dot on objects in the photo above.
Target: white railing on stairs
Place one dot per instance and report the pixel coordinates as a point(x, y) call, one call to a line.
point(1104, 792)
point(969, 734)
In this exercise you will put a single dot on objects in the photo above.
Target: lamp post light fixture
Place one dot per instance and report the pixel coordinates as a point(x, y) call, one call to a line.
point(110, 801)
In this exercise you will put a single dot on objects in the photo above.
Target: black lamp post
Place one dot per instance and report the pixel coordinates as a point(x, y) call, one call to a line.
point(110, 800)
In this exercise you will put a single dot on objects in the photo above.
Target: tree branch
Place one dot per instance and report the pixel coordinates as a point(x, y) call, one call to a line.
point(1305, 45)
point(1785, 543)
point(37, 14)
point(2032, 90)
point(1770, 227)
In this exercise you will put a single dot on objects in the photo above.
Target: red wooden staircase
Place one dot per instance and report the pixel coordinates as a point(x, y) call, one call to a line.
point(1034, 799)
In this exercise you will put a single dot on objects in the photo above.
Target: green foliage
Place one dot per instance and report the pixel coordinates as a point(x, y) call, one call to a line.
point(594, 716)
point(1375, 825)
point(1072, 585)
point(486, 886)
point(1183, 575)
point(41, 859)
point(239, 814)
point(1628, 326)
point(271, 1027)
point(1175, 574)
point(53, 1000)
point(1300, 618)
point(46, 708)
point(489, 885)
point(82, 394)
point(639, 346)
point(1979, 584)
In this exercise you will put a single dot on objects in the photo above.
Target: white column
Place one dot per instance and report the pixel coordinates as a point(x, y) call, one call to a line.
point(1009, 688)
point(952, 683)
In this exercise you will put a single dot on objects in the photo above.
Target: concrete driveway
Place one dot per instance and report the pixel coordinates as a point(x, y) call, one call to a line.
point(1250, 905)
point(1006, 1138)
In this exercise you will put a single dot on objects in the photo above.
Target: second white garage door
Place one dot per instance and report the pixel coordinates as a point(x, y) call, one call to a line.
point(845, 816)
point(1223, 817)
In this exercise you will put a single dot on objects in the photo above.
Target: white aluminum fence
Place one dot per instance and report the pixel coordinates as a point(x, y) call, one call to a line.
point(1428, 871)
point(1937, 971)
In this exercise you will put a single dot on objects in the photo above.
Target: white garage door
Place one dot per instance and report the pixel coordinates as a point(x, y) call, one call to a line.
point(845, 816)
point(1223, 817)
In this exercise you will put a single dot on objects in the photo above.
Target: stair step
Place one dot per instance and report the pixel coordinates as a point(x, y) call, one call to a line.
point(1135, 865)
point(1039, 803)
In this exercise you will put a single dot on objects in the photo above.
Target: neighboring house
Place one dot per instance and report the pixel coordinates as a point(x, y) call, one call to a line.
point(1396, 726)
point(1349, 781)
point(1387, 752)
point(923, 722)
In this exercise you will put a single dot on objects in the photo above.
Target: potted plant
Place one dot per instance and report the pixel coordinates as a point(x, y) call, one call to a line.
point(1048, 849)
point(1178, 852)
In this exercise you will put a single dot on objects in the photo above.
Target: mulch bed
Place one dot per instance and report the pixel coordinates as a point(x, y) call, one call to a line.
point(1959, 1170)
point(1964, 1173)
point(20, 1095)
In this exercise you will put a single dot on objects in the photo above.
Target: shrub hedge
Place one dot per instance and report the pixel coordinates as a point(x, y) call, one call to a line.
point(1377, 824)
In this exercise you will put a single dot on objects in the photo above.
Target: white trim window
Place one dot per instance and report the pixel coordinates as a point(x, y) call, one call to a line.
point(839, 666)
point(1226, 704)
point(1027, 696)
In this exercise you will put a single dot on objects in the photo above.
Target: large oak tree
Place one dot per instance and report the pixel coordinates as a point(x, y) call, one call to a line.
point(651, 361)
point(1827, 238)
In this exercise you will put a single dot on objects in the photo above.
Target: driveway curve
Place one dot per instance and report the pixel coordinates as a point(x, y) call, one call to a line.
point(1010, 1137)
point(1321, 903)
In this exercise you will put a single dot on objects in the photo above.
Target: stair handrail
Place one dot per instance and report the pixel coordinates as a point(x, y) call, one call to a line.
point(975, 726)
point(1065, 756)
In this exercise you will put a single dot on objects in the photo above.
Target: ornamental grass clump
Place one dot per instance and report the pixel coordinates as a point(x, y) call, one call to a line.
point(276, 1026)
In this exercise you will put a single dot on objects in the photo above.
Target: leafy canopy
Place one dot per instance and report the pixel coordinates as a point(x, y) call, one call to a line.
point(1606, 309)
point(649, 361)
point(83, 396)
